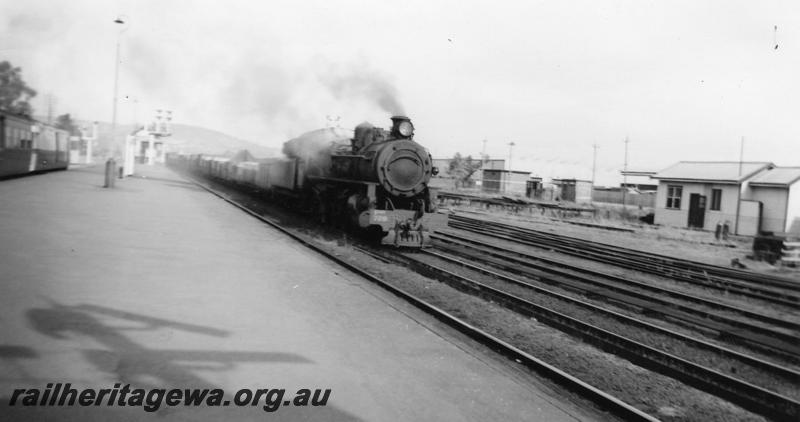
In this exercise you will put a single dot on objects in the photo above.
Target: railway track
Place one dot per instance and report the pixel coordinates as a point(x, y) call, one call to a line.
point(604, 400)
point(741, 392)
point(773, 290)
point(621, 292)
point(771, 368)
point(747, 395)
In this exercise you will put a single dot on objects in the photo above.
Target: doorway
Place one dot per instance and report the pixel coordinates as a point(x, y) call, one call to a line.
point(697, 210)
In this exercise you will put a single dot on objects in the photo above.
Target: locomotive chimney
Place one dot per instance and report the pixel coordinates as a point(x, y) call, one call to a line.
point(402, 127)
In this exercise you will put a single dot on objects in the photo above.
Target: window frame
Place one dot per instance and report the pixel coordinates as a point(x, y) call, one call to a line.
point(674, 197)
point(716, 200)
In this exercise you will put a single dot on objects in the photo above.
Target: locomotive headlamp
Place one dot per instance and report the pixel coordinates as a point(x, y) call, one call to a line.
point(406, 129)
point(402, 127)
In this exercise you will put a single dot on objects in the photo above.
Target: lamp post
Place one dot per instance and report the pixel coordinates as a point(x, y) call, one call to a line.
point(114, 145)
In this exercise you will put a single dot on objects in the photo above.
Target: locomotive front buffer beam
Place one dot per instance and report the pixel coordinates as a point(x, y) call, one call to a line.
point(403, 228)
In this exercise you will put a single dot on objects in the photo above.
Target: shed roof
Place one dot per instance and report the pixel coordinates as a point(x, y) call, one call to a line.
point(527, 173)
point(778, 177)
point(712, 171)
point(568, 181)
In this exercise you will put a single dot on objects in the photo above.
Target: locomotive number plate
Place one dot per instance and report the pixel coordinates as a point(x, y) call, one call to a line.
point(379, 216)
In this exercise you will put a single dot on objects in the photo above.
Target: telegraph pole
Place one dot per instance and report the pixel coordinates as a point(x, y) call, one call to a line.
point(625, 181)
point(741, 156)
point(739, 194)
point(594, 166)
point(594, 162)
point(50, 109)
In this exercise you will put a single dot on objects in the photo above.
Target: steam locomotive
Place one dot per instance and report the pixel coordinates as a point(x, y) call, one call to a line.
point(375, 180)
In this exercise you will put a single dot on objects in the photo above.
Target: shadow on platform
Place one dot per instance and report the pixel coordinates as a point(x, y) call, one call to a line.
point(131, 363)
point(138, 365)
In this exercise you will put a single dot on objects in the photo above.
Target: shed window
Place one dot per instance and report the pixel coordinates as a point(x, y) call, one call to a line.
point(716, 199)
point(674, 194)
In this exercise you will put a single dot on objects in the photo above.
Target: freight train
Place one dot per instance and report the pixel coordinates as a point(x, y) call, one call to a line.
point(28, 146)
point(374, 180)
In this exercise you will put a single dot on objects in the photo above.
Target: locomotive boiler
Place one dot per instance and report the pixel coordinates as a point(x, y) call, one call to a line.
point(377, 180)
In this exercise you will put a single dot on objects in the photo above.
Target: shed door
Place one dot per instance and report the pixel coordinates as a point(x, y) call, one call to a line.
point(697, 210)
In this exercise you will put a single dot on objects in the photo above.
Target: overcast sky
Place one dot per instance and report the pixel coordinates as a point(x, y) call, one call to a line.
point(682, 80)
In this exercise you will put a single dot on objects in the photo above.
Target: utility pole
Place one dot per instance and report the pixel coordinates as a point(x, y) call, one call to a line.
point(135, 113)
point(625, 181)
point(50, 109)
point(739, 194)
point(510, 150)
point(594, 166)
point(594, 162)
point(741, 156)
point(118, 21)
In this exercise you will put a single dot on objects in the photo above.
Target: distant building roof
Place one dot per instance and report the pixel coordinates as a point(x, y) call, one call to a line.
point(636, 173)
point(778, 177)
point(506, 171)
point(712, 171)
point(562, 181)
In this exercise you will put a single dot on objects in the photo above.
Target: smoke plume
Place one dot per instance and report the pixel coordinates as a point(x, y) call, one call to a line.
point(359, 81)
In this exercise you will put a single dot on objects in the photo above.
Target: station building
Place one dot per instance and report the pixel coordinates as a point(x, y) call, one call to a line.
point(534, 187)
point(81, 146)
point(750, 197)
point(573, 190)
point(506, 182)
point(779, 191)
point(444, 180)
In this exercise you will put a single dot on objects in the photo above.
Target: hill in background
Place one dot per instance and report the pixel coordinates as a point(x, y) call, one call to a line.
point(188, 139)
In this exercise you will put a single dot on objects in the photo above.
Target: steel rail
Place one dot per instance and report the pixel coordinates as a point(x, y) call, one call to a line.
point(772, 368)
point(661, 290)
point(788, 349)
point(648, 266)
point(600, 398)
point(747, 395)
point(700, 268)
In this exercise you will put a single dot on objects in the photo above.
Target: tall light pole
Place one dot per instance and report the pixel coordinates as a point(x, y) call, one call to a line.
point(118, 21)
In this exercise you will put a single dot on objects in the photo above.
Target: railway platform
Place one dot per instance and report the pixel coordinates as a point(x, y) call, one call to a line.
point(159, 285)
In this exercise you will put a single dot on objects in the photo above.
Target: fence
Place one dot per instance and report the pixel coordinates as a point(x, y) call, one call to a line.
point(644, 200)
